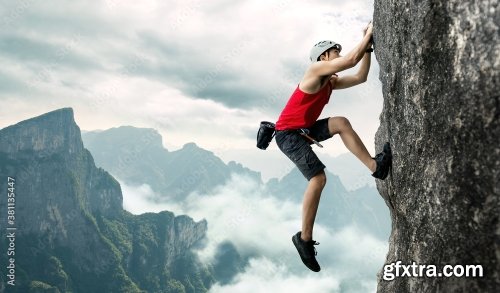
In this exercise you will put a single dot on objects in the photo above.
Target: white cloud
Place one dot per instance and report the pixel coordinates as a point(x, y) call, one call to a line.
point(141, 199)
point(261, 228)
point(263, 275)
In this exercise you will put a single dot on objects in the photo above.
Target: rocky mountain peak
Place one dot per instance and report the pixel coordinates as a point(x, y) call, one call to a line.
point(132, 138)
point(47, 134)
point(69, 214)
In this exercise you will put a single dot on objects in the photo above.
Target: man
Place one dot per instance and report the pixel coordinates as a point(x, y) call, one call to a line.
point(297, 129)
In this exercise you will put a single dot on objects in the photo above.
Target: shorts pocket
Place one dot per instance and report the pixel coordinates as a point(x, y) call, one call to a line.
point(297, 151)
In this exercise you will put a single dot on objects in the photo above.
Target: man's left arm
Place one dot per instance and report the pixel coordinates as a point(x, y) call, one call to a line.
point(352, 80)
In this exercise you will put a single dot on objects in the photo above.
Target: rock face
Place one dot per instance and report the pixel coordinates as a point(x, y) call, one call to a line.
point(439, 67)
point(72, 232)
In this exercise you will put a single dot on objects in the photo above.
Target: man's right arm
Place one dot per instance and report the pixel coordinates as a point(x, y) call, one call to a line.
point(323, 68)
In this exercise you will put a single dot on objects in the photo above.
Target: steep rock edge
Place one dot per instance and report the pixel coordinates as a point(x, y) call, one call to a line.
point(72, 231)
point(439, 67)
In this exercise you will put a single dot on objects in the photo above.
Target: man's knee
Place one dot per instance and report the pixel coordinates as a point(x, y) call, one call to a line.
point(338, 124)
point(319, 179)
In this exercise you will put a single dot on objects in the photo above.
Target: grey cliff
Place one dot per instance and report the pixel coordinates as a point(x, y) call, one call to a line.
point(439, 67)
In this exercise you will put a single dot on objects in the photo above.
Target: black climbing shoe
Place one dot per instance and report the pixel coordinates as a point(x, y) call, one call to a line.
point(307, 252)
point(384, 162)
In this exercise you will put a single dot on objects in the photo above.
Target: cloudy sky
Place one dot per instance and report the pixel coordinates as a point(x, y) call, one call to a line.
point(197, 71)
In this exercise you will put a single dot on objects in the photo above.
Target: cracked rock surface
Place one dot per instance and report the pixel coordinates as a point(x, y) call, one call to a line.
point(439, 67)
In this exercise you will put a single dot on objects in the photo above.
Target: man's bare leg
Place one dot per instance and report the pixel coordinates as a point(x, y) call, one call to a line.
point(341, 126)
point(310, 204)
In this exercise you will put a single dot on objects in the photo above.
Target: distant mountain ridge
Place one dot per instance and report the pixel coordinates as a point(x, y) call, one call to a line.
point(72, 232)
point(174, 175)
point(137, 156)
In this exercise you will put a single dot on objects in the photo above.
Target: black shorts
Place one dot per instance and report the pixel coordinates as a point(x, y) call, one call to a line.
point(298, 148)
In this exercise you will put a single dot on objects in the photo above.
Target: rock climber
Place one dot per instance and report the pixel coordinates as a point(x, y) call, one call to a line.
point(298, 127)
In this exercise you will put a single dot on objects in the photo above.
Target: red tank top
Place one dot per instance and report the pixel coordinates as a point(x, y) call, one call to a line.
point(303, 109)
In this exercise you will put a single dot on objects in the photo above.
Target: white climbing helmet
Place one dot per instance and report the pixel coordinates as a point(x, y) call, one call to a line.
point(322, 47)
